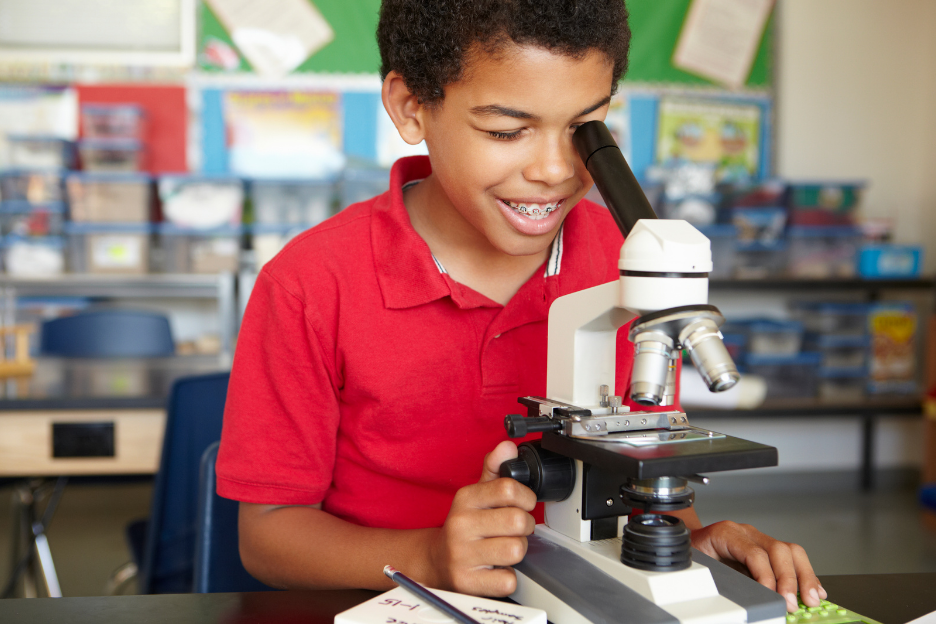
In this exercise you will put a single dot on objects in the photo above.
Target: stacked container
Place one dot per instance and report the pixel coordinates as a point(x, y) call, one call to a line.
point(201, 228)
point(838, 333)
point(32, 208)
point(110, 203)
point(772, 349)
point(824, 237)
point(284, 208)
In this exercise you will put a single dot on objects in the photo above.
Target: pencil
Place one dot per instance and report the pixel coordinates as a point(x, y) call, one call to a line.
point(409, 584)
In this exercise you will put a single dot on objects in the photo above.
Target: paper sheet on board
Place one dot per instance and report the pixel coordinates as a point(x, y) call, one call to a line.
point(276, 36)
point(720, 38)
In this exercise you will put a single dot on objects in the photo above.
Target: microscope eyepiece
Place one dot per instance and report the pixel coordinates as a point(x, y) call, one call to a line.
point(613, 177)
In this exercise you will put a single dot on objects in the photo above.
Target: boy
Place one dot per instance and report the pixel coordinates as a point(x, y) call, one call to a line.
point(382, 349)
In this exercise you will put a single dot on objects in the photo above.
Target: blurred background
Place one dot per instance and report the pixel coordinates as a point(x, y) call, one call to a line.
point(154, 154)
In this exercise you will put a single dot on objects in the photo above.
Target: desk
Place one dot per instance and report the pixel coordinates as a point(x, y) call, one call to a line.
point(131, 393)
point(889, 598)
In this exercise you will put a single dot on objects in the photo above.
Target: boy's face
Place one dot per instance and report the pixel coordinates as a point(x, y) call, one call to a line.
point(501, 143)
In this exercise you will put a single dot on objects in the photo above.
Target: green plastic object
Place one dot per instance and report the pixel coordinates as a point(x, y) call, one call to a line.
point(827, 613)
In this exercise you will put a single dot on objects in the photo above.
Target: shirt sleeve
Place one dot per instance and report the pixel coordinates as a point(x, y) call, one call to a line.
point(281, 415)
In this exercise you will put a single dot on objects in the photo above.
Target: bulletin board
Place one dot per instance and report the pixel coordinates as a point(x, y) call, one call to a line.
point(655, 26)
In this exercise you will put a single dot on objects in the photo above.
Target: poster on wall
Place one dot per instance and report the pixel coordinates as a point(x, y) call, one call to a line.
point(284, 134)
point(719, 39)
point(724, 134)
point(275, 36)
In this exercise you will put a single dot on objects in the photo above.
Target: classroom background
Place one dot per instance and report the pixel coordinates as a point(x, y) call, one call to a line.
point(155, 154)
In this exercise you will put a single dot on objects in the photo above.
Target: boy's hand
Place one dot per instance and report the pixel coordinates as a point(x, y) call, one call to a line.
point(485, 531)
point(777, 565)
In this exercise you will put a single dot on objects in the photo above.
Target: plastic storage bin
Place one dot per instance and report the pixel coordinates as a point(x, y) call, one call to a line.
point(833, 318)
point(109, 197)
point(823, 251)
point(33, 186)
point(23, 218)
point(268, 239)
point(122, 248)
point(111, 155)
point(358, 185)
point(824, 203)
point(787, 377)
point(759, 226)
point(842, 385)
point(773, 337)
point(188, 250)
point(292, 201)
point(756, 260)
point(33, 257)
point(201, 202)
point(112, 121)
point(883, 261)
point(840, 350)
point(724, 240)
point(39, 152)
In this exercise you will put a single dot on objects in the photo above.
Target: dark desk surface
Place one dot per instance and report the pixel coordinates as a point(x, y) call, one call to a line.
point(87, 383)
point(888, 598)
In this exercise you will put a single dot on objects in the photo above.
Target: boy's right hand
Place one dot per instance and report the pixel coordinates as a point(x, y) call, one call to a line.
point(485, 531)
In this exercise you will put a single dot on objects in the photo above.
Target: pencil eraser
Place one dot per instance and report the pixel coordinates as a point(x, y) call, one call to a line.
point(398, 606)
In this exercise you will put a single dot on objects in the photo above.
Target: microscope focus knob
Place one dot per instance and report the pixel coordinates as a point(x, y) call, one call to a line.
point(518, 470)
point(550, 475)
point(519, 426)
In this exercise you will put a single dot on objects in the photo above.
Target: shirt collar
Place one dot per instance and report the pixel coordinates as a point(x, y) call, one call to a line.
point(409, 275)
point(406, 270)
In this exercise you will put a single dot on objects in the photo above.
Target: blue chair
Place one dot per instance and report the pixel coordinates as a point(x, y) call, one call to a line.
point(164, 545)
point(108, 333)
point(218, 566)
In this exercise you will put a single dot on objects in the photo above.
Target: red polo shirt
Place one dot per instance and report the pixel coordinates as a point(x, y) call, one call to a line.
point(366, 379)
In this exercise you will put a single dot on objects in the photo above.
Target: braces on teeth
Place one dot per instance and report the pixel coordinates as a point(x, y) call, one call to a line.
point(533, 211)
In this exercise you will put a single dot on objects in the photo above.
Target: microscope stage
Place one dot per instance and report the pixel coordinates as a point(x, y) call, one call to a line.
point(686, 457)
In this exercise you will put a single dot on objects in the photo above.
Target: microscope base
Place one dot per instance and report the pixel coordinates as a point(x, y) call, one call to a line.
point(585, 583)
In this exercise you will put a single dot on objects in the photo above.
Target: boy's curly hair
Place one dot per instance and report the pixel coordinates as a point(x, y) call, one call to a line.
point(426, 41)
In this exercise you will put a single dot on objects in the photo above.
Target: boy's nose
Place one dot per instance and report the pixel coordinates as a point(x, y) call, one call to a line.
point(553, 162)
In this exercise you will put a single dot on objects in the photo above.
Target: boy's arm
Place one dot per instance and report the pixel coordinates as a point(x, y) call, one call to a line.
point(485, 532)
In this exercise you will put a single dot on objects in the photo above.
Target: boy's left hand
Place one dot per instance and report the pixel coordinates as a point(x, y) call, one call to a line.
point(781, 566)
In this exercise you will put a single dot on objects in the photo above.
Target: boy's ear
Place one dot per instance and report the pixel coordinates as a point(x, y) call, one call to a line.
point(404, 108)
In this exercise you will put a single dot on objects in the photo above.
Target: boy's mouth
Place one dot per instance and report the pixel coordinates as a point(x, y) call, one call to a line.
point(534, 211)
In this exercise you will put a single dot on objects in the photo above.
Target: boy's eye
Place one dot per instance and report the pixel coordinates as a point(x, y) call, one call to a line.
point(506, 136)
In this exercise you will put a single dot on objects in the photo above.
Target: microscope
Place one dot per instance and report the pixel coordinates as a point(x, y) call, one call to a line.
point(599, 462)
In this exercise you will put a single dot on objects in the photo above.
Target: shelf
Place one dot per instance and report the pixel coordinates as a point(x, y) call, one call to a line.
point(218, 287)
point(869, 406)
point(839, 284)
point(123, 286)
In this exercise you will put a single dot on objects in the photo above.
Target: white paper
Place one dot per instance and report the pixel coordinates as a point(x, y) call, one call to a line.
point(929, 618)
point(276, 36)
point(400, 606)
point(720, 38)
point(116, 251)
